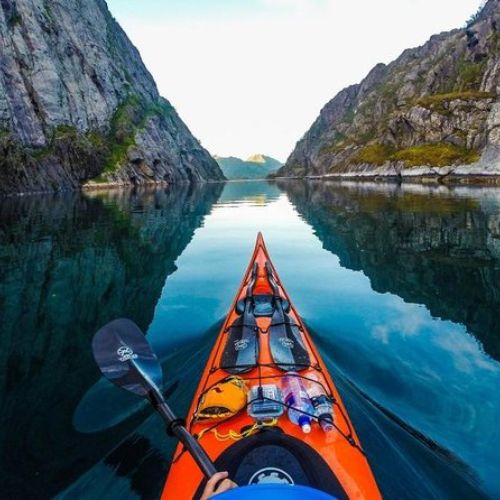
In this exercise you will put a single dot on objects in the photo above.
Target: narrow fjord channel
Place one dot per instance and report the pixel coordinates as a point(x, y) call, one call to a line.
point(400, 286)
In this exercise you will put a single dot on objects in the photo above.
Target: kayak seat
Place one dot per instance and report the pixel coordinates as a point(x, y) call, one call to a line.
point(272, 457)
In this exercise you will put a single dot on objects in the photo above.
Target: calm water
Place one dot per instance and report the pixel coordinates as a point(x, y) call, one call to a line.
point(399, 285)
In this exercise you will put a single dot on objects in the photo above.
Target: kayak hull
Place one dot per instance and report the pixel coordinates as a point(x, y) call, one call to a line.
point(339, 450)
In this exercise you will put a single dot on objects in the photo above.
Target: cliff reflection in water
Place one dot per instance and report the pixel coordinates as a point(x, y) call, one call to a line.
point(68, 265)
point(431, 246)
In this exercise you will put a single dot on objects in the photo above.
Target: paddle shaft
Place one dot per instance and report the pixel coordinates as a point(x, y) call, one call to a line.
point(126, 359)
point(175, 425)
point(176, 428)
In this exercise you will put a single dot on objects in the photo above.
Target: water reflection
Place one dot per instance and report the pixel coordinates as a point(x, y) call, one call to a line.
point(431, 246)
point(399, 285)
point(253, 193)
point(412, 327)
point(69, 264)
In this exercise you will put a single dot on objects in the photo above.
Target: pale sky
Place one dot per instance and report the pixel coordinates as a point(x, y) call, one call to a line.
point(250, 76)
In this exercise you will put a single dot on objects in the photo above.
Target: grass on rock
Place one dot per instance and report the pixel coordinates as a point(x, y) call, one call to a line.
point(433, 155)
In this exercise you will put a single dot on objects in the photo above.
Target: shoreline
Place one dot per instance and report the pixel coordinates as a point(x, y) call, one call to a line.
point(490, 180)
point(101, 186)
point(104, 186)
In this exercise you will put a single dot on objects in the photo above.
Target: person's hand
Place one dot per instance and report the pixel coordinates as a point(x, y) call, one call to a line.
point(211, 489)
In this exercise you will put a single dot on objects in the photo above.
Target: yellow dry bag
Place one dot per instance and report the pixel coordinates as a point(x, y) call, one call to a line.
point(223, 400)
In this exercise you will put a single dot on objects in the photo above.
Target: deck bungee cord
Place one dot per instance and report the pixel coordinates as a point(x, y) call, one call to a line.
point(263, 425)
point(347, 436)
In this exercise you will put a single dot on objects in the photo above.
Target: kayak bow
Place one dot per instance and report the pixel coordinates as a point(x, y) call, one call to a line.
point(263, 338)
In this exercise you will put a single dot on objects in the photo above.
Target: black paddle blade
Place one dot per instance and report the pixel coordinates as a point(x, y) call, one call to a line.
point(125, 358)
point(285, 342)
point(241, 349)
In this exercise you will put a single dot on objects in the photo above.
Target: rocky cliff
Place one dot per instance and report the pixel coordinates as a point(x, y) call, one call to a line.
point(433, 111)
point(77, 104)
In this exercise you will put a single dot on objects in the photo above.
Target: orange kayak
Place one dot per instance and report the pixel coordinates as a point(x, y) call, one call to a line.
point(263, 343)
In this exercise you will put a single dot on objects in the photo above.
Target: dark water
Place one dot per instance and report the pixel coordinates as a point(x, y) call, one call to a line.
point(399, 285)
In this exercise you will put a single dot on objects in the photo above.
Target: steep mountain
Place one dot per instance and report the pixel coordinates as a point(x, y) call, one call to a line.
point(257, 166)
point(78, 104)
point(433, 111)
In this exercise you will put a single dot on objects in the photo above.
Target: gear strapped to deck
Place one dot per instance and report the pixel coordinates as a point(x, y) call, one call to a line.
point(266, 409)
point(287, 348)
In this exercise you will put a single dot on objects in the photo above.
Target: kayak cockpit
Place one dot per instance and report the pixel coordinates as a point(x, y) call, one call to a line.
point(273, 457)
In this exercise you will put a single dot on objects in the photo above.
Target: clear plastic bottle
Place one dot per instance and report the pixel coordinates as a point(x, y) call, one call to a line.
point(295, 395)
point(321, 403)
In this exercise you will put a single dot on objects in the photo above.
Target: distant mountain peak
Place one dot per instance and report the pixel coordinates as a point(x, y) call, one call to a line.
point(258, 158)
point(257, 166)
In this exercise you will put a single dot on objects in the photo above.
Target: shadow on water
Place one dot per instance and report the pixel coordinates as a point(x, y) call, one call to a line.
point(138, 465)
point(69, 264)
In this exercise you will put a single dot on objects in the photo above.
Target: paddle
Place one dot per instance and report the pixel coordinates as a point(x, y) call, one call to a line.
point(125, 358)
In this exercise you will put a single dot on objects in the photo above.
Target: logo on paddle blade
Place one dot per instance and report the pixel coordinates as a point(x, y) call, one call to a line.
point(271, 475)
point(125, 353)
point(286, 342)
point(240, 345)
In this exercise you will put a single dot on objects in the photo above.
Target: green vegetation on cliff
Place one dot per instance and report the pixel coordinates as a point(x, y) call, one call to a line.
point(121, 136)
point(130, 117)
point(107, 149)
point(432, 155)
point(440, 102)
point(377, 154)
point(435, 155)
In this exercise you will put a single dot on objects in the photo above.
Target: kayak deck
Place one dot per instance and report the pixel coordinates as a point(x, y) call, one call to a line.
point(333, 461)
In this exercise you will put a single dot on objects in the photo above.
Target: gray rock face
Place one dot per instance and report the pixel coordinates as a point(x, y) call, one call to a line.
point(76, 103)
point(433, 111)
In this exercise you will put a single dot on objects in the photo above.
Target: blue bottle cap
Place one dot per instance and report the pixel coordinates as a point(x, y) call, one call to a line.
point(305, 423)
